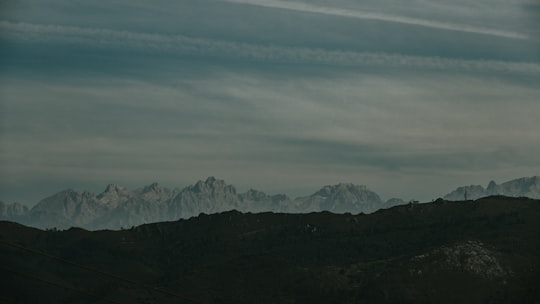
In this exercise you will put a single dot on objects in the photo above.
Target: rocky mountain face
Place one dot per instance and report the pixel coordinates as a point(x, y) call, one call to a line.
point(483, 251)
point(466, 193)
point(521, 187)
point(118, 207)
point(113, 208)
point(12, 211)
point(340, 198)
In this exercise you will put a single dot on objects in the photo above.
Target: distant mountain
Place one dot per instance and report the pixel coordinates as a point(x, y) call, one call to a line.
point(118, 207)
point(131, 208)
point(340, 198)
point(521, 187)
point(12, 211)
point(114, 208)
point(393, 202)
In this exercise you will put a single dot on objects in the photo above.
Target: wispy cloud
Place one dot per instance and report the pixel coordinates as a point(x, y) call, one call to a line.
point(280, 95)
point(179, 44)
point(269, 132)
point(359, 14)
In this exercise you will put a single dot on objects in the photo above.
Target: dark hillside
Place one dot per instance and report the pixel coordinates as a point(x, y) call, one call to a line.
point(483, 251)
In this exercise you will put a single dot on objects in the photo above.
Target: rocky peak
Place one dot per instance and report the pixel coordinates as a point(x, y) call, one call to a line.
point(12, 210)
point(328, 190)
point(113, 195)
point(63, 203)
point(212, 179)
point(493, 188)
point(154, 187)
point(113, 188)
point(70, 194)
point(341, 188)
point(253, 195)
point(343, 197)
point(525, 186)
point(212, 186)
point(215, 183)
point(471, 192)
point(154, 193)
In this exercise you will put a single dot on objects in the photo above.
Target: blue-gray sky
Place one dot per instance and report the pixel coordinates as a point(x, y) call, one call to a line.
point(409, 98)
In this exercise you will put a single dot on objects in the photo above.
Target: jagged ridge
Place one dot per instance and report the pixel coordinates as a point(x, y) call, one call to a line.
point(520, 187)
point(118, 207)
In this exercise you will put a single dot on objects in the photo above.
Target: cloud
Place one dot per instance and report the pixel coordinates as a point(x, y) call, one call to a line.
point(358, 14)
point(272, 132)
point(250, 117)
point(267, 98)
point(178, 44)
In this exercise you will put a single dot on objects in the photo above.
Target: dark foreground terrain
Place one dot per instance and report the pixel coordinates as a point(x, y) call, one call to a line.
point(484, 251)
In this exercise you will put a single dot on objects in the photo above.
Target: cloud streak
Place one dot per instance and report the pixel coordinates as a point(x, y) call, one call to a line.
point(179, 44)
point(353, 128)
point(280, 95)
point(358, 14)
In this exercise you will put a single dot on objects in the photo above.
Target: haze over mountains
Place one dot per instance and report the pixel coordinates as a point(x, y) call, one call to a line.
point(118, 207)
point(521, 187)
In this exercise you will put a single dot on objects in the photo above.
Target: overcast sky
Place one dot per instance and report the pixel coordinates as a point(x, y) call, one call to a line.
point(410, 98)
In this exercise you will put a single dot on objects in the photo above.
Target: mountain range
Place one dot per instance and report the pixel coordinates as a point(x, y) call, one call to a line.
point(117, 207)
point(520, 187)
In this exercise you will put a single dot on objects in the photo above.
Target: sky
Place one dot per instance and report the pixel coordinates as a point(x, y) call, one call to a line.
point(410, 98)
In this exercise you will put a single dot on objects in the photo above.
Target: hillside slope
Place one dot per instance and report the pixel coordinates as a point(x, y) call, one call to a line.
point(484, 251)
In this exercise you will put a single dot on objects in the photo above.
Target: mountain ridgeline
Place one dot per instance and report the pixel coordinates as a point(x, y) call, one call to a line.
point(520, 187)
point(118, 207)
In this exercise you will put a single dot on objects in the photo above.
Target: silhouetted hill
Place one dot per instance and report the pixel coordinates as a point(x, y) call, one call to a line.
point(483, 251)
